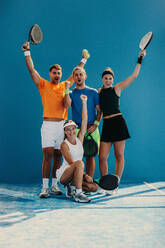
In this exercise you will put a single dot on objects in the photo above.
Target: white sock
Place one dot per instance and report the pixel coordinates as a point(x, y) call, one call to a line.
point(78, 191)
point(45, 182)
point(54, 181)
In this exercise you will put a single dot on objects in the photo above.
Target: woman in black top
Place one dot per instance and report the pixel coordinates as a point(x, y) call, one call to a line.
point(114, 131)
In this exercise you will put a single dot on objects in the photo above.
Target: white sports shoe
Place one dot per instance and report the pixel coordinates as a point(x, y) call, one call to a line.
point(111, 192)
point(81, 198)
point(100, 191)
point(55, 190)
point(44, 193)
point(70, 191)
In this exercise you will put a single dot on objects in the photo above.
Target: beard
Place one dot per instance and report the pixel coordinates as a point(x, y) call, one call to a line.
point(55, 80)
point(80, 82)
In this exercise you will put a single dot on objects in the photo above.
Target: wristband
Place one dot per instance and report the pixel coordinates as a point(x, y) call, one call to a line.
point(140, 59)
point(66, 91)
point(27, 53)
point(96, 123)
point(84, 61)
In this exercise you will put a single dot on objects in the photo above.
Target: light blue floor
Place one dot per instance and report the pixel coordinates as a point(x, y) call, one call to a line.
point(135, 217)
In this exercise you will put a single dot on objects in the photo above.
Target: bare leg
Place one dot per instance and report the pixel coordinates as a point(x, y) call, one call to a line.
point(119, 148)
point(56, 162)
point(103, 156)
point(90, 166)
point(78, 174)
point(74, 173)
point(46, 164)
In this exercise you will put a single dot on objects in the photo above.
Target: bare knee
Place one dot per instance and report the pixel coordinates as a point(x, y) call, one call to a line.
point(47, 154)
point(119, 156)
point(102, 157)
point(79, 164)
point(57, 157)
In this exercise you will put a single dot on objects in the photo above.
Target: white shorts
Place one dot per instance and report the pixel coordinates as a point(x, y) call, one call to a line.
point(60, 172)
point(52, 134)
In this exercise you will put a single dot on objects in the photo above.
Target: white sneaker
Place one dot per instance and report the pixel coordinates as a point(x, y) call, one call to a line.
point(81, 198)
point(111, 192)
point(70, 191)
point(44, 193)
point(100, 191)
point(55, 190)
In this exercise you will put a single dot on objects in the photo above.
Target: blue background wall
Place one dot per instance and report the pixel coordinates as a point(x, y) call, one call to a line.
point(111, 31)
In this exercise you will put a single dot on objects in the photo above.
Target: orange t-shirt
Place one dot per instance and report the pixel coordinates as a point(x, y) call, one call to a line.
point(52, 96)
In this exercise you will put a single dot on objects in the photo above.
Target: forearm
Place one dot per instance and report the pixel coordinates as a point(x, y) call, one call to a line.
point(29, 63)
point(84, 117)
point(121, 86)
point(70, 79)
point(134, 75)
point(138, 66)
point(136, 71)
point(99, 116)
point(82, 63)
point(67, 100)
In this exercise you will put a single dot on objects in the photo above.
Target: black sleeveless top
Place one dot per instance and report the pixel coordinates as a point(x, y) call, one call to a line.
point(109, 101)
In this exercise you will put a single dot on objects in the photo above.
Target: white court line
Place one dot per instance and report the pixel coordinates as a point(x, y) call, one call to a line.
point(150, 185)
point(15, 193)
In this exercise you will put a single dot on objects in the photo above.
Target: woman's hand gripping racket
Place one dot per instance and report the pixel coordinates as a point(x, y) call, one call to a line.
point(108, 182)
point(34, 36)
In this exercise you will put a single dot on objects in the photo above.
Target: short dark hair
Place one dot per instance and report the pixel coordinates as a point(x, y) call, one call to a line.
point(55, 66)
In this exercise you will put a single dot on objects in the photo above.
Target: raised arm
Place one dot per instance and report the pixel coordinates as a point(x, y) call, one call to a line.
point(67, 100)
point(124, 84)
point(85, 56)
point(29, 63)
point(84, 118)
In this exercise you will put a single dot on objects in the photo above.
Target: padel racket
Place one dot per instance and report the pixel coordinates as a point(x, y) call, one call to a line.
point(35, 34)
point(145, 41)
point(108, 182)
point(90, 146)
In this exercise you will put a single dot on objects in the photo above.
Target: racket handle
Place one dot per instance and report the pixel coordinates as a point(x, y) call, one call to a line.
point(140, 58)
point(26, 48)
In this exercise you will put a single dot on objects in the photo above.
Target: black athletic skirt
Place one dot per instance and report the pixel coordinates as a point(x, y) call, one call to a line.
point(114, 129)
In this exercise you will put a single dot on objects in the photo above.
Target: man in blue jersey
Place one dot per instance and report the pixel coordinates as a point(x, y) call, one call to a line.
point(93, 108)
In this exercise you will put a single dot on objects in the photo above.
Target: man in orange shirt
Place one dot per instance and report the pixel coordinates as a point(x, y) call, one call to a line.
point(54, 96)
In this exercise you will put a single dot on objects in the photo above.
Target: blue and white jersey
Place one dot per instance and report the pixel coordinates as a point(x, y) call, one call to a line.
point(92, 102)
